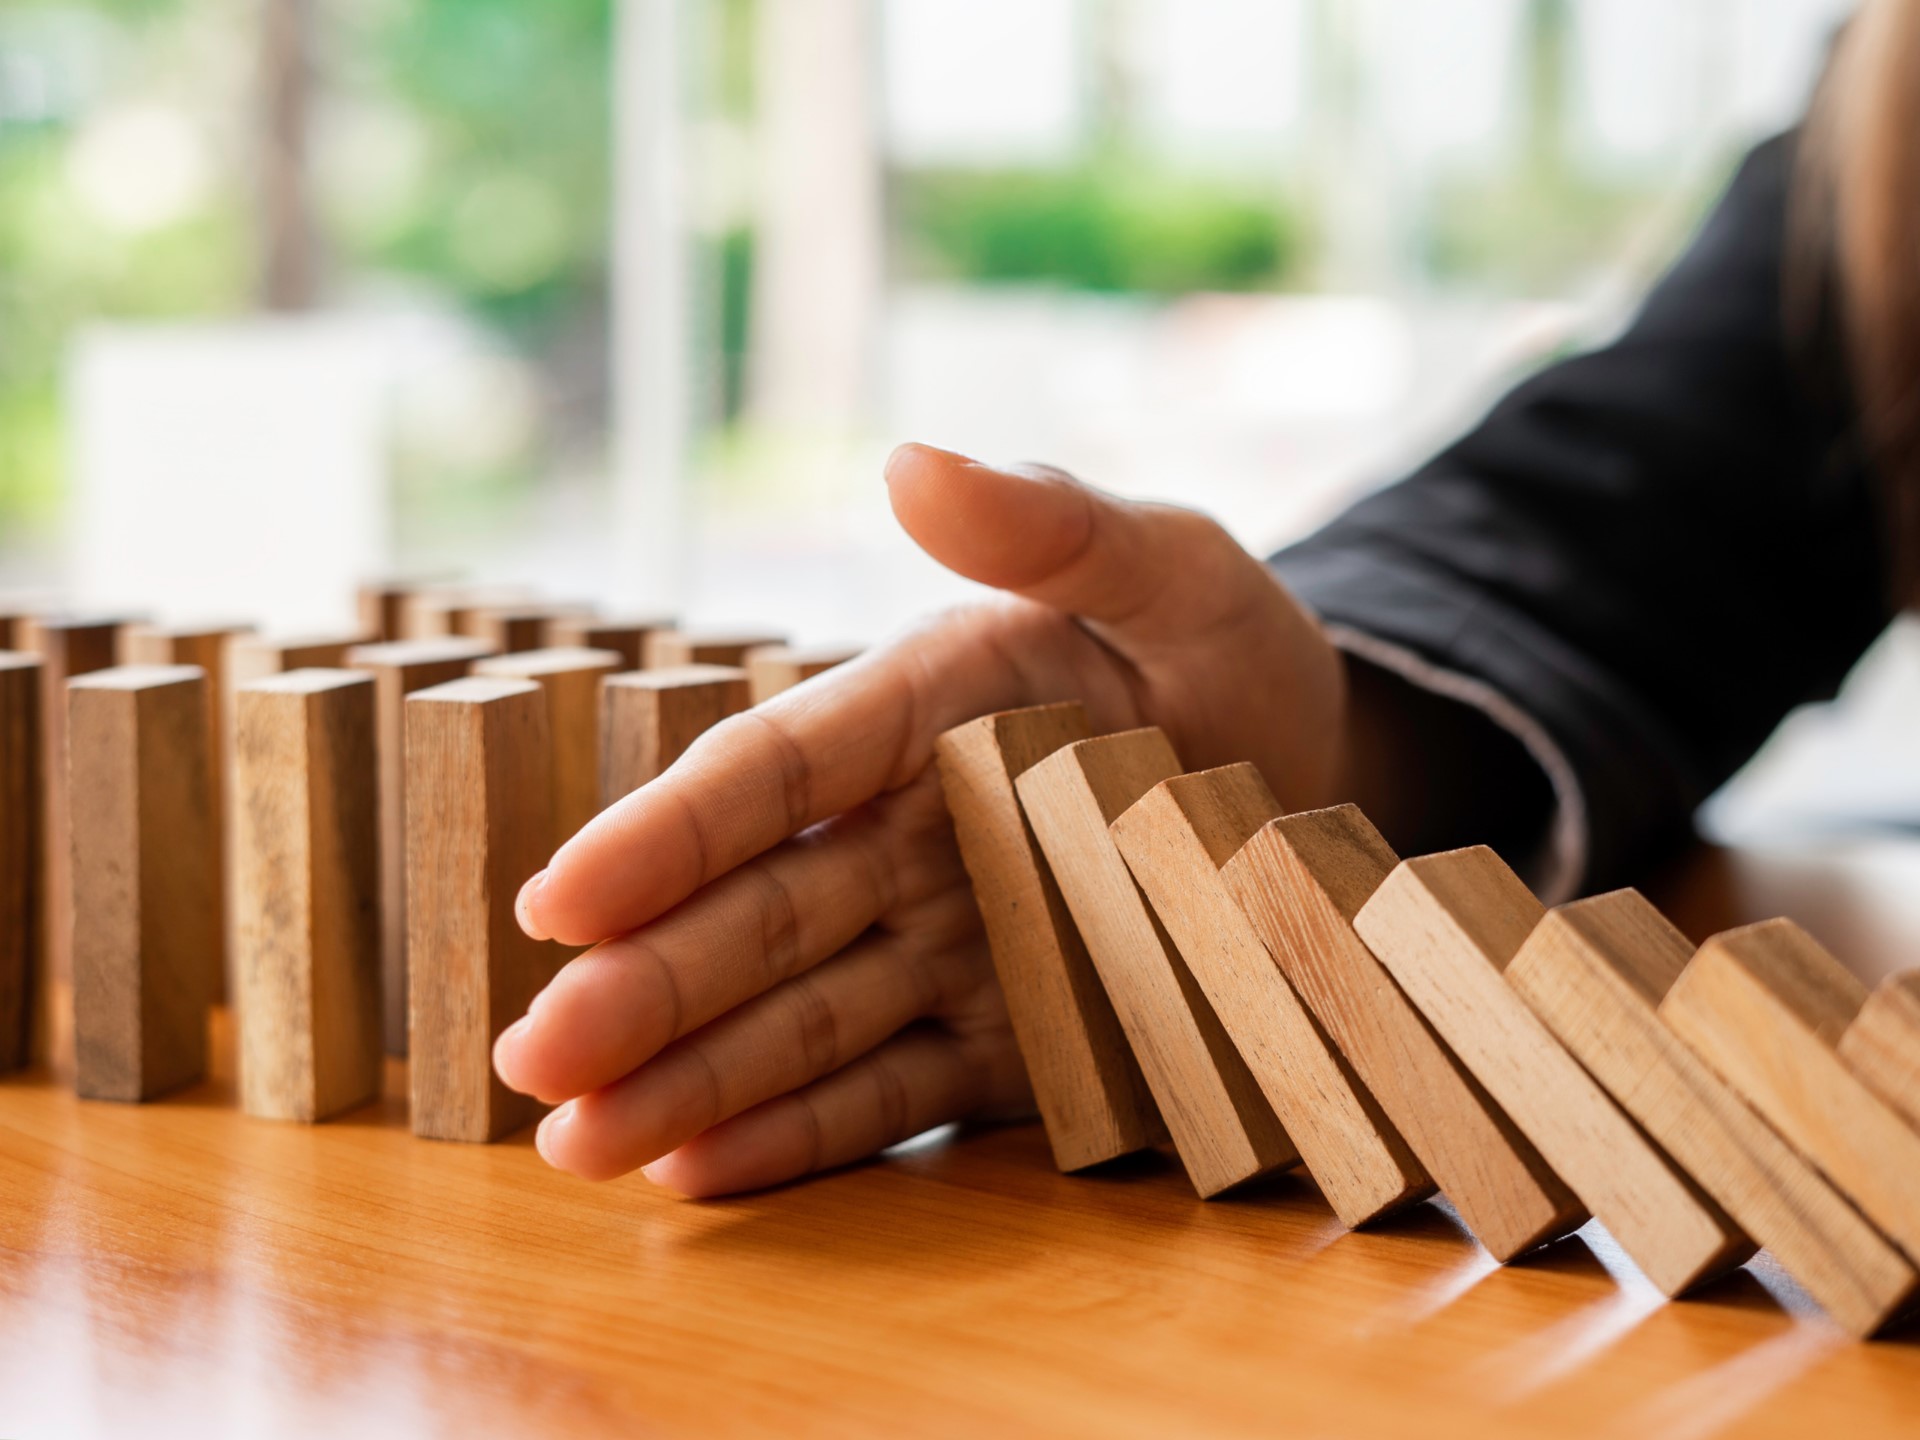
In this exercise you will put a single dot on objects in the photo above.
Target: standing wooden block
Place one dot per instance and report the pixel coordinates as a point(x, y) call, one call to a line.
point(1882, 1045)
point(479, 814)
point(571, 679)
point(255, 657)
point(1091, 1094)
point(665, 648)
point(773, 668)
point(307, 978)
point(626, 638)
point(1595, 971)
point(1766, 1006)
point(144, 879)
point(1301, 880)
point(1222, 1125)
point(1446, 926)
point(511, 629)
point(20, 856)
point(1175, 838)
point(648, 718)
point(399, 668)
point(380, 607)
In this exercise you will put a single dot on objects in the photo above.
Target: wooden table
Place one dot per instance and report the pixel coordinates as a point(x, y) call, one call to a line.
point(179, 1268)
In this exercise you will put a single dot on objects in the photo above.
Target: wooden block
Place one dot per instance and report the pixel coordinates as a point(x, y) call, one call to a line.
point(21, 818)
point(479, 815)
point(1301, 879)
point(773, 668)
point(666, 648)
point(399, 668)
point(1595, 971)
point(307, 978)
point(511, 629)
point(1089, 1089)
point(1446, 926)
point(1222, 1125)
point(380, 606)
point(1882, 1045)
point(648, 718)
point(439, 610)
point(627, 638)
point(1175, 838)
point(571, 679)
point(144, 879)
point(255, 657)
point(1766, 1006)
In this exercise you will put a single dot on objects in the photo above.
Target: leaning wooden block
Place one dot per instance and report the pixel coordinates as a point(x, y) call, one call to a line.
point(1092, 1097)
point(648, 718)
point(571, 679)
point(773, 668)
point(1595, 971)
point(627, 638)
point(1175, 838)
point(144, 879)
point(479, 817)
point(1882, 1045)
point(399, 668)
point(1301, 879)
point(20, 856)
point(1446, 926)
point(1222, 1125)
point(1766, 1006)
point(665, 648)
point(307, 977)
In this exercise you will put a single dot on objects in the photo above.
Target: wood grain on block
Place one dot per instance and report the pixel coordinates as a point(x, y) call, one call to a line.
point(1883, 1044)
point(1766, 1006)
point(1301, 879)
point(1222, 1125)
point(144, 878)
point(479, 814)
point(1445, 927)
point(648, 718)
point(21, 819)
point(1175, 838)
point(665, 648)
point(307, 977)
point(399, 668)
point(773, 668)
point(1596, 972)
point(572, 680)
point(1088, 1086)
point(626, 638)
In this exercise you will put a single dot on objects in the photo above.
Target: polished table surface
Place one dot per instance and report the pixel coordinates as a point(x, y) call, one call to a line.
point(180, 1268)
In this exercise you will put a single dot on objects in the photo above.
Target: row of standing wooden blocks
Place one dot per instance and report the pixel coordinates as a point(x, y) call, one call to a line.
point(1181, 958)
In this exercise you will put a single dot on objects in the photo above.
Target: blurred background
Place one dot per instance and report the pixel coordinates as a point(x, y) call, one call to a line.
point(628, 299)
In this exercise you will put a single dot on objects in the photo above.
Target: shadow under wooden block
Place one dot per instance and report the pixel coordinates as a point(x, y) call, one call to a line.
point(1093, 1099)
point(1446, 927)
point(1595, 971)
point(1222, 1125)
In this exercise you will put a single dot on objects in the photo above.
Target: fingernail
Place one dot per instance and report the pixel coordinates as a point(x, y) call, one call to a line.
point(543, 1137)
point(523, 906)
point(504, 1048)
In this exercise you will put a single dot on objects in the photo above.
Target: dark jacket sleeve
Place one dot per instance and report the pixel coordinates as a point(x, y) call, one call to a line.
point(1650, 552)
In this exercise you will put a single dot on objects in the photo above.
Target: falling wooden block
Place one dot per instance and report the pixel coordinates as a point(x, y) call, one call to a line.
point(1301, 879)
point(1175, 838)
point(1766, 1006)
point(21, 818)
point(626, 638)
point(144, 879)
point(571, 679)
point(648, 719)
point(1092, 1097)
point(1446, 926)
point(1882, 1045)
point(1596, 971)
point(399, 668)
point(479, 817)
point(1222, 1125)
point(666, 648)
point(773, 668)
point(307, 977)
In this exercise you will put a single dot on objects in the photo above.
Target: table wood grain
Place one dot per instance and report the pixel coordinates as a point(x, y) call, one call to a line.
point(180, 1268)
